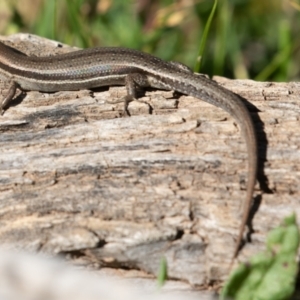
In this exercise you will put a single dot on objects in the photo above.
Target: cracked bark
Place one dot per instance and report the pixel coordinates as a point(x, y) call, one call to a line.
point(78, 179)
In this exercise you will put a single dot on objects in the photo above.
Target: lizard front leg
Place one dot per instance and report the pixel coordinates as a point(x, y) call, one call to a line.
point(9, 96)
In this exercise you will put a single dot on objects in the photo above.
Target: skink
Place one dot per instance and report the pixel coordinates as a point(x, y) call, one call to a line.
point(95, 67)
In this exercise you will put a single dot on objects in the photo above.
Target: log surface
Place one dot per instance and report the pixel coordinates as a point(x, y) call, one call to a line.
point(77, 178)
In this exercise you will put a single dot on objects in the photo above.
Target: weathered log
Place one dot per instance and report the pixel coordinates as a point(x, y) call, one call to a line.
point(76, 178)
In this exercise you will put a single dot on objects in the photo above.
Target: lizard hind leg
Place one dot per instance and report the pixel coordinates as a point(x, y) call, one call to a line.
point(133, 82)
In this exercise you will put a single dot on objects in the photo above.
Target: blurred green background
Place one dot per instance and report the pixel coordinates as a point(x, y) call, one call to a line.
point(255, 39)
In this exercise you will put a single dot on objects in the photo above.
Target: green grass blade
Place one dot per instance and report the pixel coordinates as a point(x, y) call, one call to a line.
point(222, 42)
point(277, 61)
point(279, 66)
point(163, 272)
point(204, 37)
point(46, 24)
point(77, 25)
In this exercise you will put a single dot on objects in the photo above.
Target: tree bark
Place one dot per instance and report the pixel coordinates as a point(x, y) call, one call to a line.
point(77, 178)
